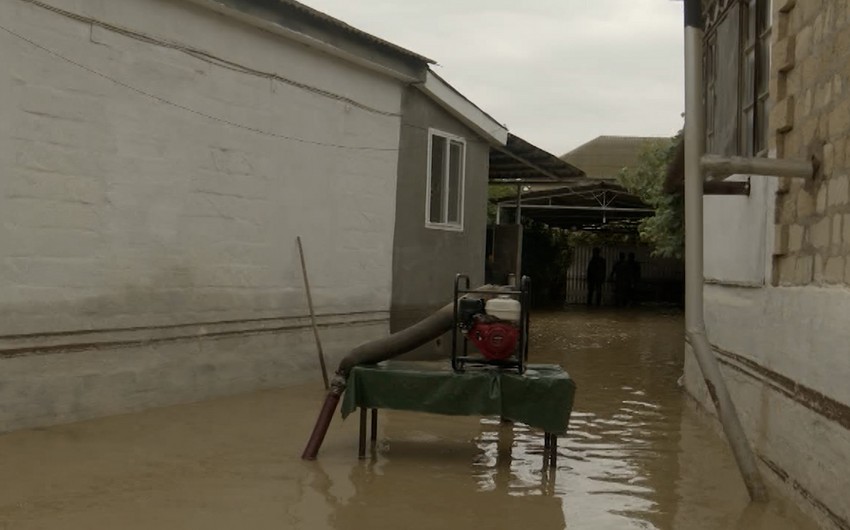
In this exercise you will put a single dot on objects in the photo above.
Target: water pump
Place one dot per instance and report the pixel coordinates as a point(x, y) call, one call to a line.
point(495, 322)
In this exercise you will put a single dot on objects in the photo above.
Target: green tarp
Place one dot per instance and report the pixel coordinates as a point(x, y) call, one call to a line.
point(542, 397)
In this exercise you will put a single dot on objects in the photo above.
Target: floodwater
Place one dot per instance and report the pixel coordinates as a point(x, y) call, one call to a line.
point(639, 455)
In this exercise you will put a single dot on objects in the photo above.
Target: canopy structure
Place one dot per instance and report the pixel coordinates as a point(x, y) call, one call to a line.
point(587, 205)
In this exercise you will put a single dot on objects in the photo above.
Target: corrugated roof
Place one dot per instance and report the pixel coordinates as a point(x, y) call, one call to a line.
point(604, 156)
point(587, 205)
point(521, 161)
point(352, 31)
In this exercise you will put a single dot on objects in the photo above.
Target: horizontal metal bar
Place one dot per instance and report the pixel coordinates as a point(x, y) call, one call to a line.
point(588, 194)
point(499, 181)
point(485, 361)
point(526, 206)
point(481, 291)
point(723, 167)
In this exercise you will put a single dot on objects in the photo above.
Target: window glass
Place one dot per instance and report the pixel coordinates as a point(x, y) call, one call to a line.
point(438, 164)
point(455, 168)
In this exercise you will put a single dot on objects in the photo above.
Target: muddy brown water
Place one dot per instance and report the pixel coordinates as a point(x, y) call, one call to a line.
point(639, 455)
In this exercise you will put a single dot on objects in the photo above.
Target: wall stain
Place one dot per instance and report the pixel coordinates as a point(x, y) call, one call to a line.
point(815, 401)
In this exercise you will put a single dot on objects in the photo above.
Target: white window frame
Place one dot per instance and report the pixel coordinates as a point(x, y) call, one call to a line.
point(458, 226)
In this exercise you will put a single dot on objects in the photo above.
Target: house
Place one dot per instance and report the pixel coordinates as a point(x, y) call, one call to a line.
point(603, 157)
point(777, 261)
point(441, 230)
point(443, 176)
point(159, 159)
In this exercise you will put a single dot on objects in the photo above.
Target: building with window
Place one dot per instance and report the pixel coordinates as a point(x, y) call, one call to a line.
point(777, 261)
point(159, 159)
point(443, 174)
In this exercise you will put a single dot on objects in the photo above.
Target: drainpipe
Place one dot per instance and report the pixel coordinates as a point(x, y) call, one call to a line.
point(694, 279)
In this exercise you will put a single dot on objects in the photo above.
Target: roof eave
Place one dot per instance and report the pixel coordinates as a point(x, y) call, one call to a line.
point(378, 56)
point(464, 110)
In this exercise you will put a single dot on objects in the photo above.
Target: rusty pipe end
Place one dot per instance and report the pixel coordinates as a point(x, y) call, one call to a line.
point(323, 421)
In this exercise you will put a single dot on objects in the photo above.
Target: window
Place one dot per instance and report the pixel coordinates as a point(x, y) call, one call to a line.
point(446, 166)
point(737, 71)
point(756, 76)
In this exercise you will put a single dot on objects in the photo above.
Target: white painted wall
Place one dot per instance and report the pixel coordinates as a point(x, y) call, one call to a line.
point(737, 232)
point(117, 210)
point(799, 333)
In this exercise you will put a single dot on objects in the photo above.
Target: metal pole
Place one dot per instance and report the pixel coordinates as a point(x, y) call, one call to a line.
point(694, 280)
point(604, 206)
point(313, 316)
point(723, 167)
point(519, 204)
point(374, 436)
point(519, 235)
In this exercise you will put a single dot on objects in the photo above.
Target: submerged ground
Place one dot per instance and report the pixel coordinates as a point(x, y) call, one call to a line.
point(639, 455)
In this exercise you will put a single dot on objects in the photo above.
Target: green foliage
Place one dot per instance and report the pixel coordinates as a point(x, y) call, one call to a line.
point(625, 235)
point(500, 191)
point(664, 231)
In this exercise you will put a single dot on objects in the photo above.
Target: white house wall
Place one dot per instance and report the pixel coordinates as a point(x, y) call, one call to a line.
point(736, 234)
point(784, 355)
point(149, 221)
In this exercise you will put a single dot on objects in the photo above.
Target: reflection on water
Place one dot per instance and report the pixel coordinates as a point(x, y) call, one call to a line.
point(638, 455)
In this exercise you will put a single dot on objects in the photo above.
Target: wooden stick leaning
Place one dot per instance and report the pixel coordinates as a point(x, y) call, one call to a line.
point(313, 316)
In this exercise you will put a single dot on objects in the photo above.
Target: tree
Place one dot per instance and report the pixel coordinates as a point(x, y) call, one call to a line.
point(665, 230)
point(495, 192)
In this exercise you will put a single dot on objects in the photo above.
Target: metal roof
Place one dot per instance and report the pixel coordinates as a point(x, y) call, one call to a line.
point(521, 162)
point(335, 23)
point(588, 206)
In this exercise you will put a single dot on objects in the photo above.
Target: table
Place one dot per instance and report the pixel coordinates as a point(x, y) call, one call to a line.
point(542, 397)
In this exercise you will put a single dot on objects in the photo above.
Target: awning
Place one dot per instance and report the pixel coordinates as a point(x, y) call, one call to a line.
point(586, 206)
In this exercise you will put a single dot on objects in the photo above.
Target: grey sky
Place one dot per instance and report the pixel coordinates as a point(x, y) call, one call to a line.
point(556, 72)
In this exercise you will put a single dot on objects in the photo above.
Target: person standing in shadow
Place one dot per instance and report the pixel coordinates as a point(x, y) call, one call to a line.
point(620, 275)
point(595, 277)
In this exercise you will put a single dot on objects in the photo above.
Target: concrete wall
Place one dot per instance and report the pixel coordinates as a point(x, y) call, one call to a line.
point(784, 354)
point(777, 313)
point(811, 116)
point(425, 260)
point(149, 251)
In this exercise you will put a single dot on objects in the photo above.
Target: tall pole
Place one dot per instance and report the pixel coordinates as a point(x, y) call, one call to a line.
point(519, 232)
point(694, 279)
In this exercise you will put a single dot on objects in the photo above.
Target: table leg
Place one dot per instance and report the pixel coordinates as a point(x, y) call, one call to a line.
point(361, 450)
point(553, 450)
point(374, 426)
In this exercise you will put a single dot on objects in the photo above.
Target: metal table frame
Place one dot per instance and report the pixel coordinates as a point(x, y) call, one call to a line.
point(550, 440)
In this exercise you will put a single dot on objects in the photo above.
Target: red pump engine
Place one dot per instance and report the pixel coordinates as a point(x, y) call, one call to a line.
point(495, 340)
point(494, 321)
